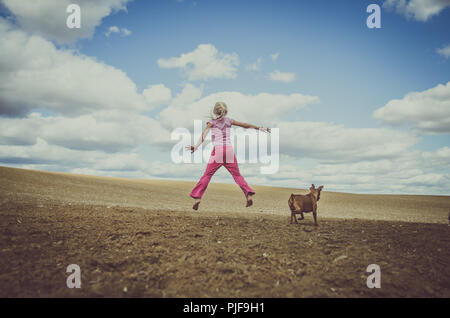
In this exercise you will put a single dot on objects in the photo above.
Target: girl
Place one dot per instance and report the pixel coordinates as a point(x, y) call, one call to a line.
point(222, 154)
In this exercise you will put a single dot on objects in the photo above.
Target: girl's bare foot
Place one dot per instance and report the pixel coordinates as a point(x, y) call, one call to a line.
point(249, 200)
point(196, 204)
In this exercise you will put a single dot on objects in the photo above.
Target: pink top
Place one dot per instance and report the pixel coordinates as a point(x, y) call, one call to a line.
point(220, 131)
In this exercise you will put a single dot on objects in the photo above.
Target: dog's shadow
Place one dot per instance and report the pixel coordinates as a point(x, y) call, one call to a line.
point(306, 225)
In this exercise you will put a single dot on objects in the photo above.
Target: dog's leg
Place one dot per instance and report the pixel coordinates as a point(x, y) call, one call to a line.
point(301, 216)
point(315, 216)
point(293, 216)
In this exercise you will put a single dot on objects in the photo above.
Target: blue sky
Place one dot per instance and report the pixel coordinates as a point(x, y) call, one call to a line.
point(326, 43)
point(385, 86)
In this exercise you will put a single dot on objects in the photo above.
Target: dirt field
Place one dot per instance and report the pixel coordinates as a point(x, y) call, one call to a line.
point(136, 238)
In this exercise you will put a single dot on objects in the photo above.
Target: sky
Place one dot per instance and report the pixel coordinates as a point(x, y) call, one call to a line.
point(360, 110)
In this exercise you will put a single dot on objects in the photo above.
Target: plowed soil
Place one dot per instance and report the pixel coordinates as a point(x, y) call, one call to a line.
point(140, 238)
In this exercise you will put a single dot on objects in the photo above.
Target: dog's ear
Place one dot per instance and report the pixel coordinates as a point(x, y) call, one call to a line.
point(313, 186)
point(320, 188)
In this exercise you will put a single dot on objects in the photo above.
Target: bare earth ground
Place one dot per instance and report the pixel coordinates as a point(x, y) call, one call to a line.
point(140, 238)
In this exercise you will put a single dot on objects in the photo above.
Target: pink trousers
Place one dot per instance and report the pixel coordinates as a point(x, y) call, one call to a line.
point(221, 156)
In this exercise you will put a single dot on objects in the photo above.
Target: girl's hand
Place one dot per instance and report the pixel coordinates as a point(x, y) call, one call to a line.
point(266, 130)
point(191, 148)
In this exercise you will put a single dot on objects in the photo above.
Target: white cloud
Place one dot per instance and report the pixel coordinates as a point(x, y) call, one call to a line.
point(314, 140)
point(95, 108)
point(261, 109)
point(204, 63)
point(126, 32)
point(157, 95)
point(19, 131)
point(427, 111)
point(285, 77)
point(413, 172)
point(48, 17)
point(110, 131)
point(440, 157)
point(171, 170)
point(35, 74)
point(420, 10)
point(444, 51)
point(44, 153)
point(275, 56)
point(255, 67)
point(188, 95)
point(335, 143)
point(112, 29)
point(115, 29)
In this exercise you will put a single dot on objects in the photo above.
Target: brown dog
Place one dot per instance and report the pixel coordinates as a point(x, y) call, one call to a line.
point(299, 203)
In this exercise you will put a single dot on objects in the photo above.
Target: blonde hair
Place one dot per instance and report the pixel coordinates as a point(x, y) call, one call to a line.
point(220, 110)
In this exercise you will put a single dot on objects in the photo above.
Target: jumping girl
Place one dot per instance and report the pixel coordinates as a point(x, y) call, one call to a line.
point(222, 154)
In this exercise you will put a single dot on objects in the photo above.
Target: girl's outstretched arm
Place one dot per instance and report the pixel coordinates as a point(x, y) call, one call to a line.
point(245, 125)
point(201, 139)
